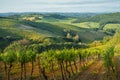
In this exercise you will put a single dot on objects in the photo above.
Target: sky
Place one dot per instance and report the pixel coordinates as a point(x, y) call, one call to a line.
point(93, 6)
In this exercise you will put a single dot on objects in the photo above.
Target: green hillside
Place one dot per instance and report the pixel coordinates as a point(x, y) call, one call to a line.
point(103, 19)
point(36, 27)
point(13, 28)
point(111, 27)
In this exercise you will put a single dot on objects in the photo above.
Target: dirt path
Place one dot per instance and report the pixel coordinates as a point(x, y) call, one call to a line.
point(94, 72)
point(117, 66)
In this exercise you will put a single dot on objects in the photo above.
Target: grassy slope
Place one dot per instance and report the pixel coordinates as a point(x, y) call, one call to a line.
point(87, 24)
point(51, 26)
point(6, 25)
point(103, 19)
point(112, 26)
point(86, 35)
point(57, 26)
point(9, 27)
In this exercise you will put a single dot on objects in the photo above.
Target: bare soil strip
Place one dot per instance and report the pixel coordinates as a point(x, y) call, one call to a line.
point(94, 72)
point(117, 66)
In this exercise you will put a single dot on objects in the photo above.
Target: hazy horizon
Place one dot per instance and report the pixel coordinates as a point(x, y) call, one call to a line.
point(80, 6)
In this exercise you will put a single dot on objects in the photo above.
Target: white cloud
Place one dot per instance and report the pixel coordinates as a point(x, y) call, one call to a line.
point(60, 5)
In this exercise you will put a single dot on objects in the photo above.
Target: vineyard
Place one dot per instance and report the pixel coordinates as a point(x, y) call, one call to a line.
point(59, 39)
point(22, 60)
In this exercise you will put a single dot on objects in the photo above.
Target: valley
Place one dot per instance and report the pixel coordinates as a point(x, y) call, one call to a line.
point(59, 46)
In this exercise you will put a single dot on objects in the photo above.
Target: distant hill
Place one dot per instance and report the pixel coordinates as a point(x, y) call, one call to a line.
point(38, 26)
point(79, 15)
point(103, 19)
point(55, 14)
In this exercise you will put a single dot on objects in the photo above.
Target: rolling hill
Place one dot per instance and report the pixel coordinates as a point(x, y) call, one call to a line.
point(38, 26)
point(102, 19)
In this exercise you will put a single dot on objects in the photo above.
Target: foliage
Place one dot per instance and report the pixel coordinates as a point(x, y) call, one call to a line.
point(103, 19)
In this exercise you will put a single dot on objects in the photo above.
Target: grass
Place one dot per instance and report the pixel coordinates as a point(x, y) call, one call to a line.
point(5, 33)
point(9, 27)
point(8, 23)
point(50, 27)
point(86, 34)
point(87, 24)
point(112, 26)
